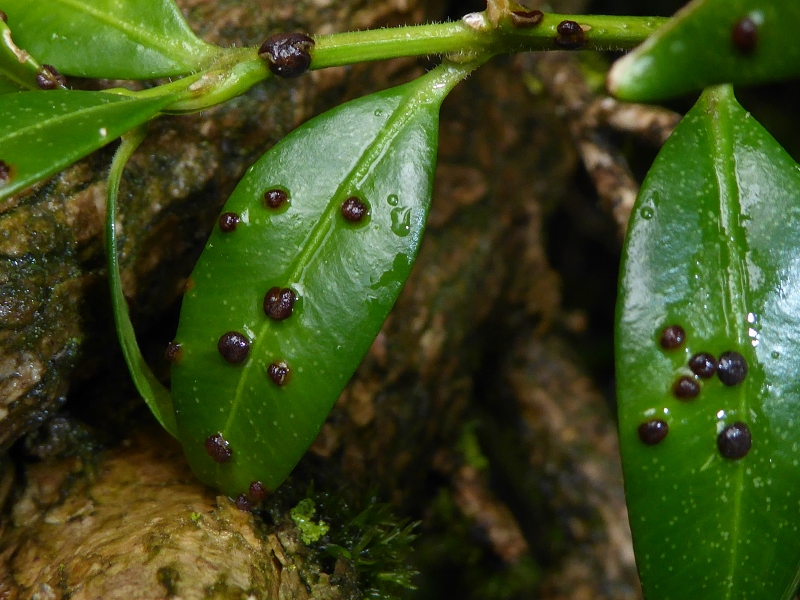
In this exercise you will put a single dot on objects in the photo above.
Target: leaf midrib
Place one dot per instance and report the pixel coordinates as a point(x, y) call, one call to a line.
point(735, 276)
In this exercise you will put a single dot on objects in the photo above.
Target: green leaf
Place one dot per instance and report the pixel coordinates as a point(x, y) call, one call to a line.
point(43, 132)
point(7, 86)
point(17, 68)
point(126, 39)
point(156, 396)
point(713, 247)
point(710, 42)
point(345, 277)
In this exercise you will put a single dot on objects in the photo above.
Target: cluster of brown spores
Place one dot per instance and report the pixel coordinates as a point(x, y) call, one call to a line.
point(734, 440)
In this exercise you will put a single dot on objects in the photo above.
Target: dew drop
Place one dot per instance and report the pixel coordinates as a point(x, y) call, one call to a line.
point(288, 54)
point(570, 35)
point(258, 491)
point(228, 222)
point(275, 198)
point(234, 347)
point(775, 354)
point(279, 303)
point(354, 210)
point(526, 18)
point(654, 431)
point(393, 200)
point(672, 337)
point(744, 35)
point(703, 365)
point(378, 112)
point(732, 368)
point(218, 448)
point(686, 388)
point(734, 441)
point(279, 373)
point(174, 352)
point(647, 212)
point(401, 221)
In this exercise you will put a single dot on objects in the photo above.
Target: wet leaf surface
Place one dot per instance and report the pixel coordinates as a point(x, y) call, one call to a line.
point(711, 479)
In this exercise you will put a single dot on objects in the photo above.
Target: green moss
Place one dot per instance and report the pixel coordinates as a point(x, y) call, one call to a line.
point(168, 577)
point(471, 448)
point(310, 531)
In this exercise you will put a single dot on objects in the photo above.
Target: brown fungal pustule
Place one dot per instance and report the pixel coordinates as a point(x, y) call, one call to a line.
point(279, 303)
point(354, 210)
point(653, 431)
point(672, 337)
point(275, 198)
point(732, 368)
point(174, 352)
point(258, 491)
point(570, 35)
point(526, 18)
point(5, 172)
point(279, 373)
point(744, 35)
point(218, 448)
point(734, 441)
point(703, 364)
point(228, 222)
point(686, 388)
point(243, 503)
point(234, 347)
point(288, 54)
point(48, 78)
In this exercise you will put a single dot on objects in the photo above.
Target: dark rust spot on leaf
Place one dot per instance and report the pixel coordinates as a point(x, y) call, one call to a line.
point(732, 368)
point(258, 491)
point(744, 35)
point(654, 431)
point(5, 172)
point(686, 388)
point(570, 35)
point(174, 352)
point(275, 198)
point(279, 303)
point(672, 337)
point(526, 18)
point(279, 373)
point(734, 441)
point(218, 448)
point(243, 503)
point(703, 365)
point(234, 347)
point(288, 54)
point(3, 17)
point(48, 78)
point(354, 210)
point(228, 222)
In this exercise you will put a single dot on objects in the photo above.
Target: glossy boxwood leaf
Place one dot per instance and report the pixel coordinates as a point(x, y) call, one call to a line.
point(296, 280)
point(17, 68)
point(43, 132)
point(157, 397)
point(712, 265)
point(125, 39)
point(710, 42)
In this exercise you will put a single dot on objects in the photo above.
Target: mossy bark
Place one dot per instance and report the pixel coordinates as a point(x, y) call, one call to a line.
point(470, 411)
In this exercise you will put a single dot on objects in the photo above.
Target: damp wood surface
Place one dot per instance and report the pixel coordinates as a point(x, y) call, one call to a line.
point(471, 411)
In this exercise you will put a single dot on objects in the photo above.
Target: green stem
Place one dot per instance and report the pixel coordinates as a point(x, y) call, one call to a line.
point(239, 69)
